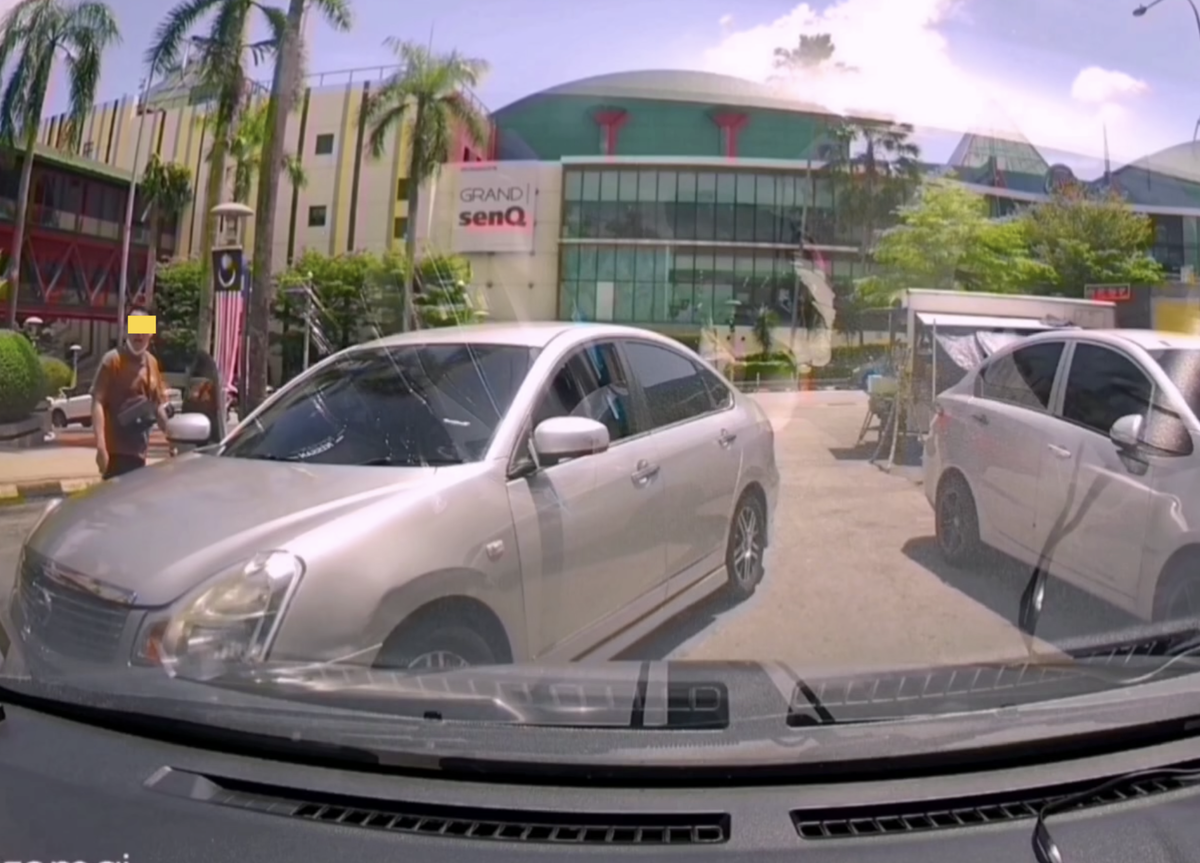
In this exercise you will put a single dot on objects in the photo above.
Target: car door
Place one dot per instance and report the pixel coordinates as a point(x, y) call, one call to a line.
point(1002, 439)
point(589, 530)
point(1094, 498)
point(696, 425)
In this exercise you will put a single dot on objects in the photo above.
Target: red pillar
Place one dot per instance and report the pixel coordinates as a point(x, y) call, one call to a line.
point(731, 124)
point(610, 121)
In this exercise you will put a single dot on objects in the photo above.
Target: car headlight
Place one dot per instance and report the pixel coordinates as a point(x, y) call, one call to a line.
point(231, 619)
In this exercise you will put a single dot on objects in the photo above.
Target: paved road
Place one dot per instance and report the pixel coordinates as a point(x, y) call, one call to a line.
point(853, 576)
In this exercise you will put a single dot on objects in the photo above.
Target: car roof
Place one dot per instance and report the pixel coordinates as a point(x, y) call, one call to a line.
point(533, 334)
point(1150, 340)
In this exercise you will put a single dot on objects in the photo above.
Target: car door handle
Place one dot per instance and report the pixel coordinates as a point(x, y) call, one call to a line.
point(726, 439)
point(982, 419)
point(644, 473)
point(1059, 451)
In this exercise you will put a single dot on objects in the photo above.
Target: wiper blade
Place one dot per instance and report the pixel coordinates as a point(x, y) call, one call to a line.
point(1044, 848)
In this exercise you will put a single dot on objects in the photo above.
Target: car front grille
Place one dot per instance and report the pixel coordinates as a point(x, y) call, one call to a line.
point(66, 619)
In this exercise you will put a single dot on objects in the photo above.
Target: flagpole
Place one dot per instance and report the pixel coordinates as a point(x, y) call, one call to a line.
point(123, 281)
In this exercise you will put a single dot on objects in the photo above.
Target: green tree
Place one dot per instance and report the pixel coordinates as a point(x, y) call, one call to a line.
point(946, 241)
point(220, 67)
point(446, 299)
point(246, 151)
point(35, 36)
point(1091, 239)
point(284, 91)
point(176, 308)
point(167, 187)
point(428, 92)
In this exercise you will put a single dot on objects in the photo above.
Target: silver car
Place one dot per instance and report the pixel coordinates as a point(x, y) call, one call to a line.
point(475, 495)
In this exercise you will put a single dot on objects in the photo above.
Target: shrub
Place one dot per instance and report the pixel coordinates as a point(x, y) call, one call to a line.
point(58, 376)
point(22, 381)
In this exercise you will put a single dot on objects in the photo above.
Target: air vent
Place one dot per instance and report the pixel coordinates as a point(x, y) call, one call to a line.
point(886, 820)
point(473, 822)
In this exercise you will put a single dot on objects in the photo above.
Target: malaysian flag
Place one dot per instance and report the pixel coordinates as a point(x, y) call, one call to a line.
point(229, 290)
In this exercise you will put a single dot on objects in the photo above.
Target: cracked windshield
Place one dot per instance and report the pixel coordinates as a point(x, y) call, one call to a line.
point(395, 377)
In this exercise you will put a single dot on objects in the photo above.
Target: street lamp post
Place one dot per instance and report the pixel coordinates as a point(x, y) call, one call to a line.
point(123, 279)
point(1146, 7)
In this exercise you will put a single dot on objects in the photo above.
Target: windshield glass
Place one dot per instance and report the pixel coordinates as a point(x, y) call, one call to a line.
point(418, 405)
point(631, 366)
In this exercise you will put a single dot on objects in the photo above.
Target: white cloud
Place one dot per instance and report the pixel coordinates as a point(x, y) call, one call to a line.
point(905, 69)
point(1097, 86)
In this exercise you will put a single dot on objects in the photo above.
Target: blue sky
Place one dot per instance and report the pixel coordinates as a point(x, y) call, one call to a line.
point(992, 65)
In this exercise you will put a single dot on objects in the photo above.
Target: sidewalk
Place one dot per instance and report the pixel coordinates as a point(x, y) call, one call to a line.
point(49, 471)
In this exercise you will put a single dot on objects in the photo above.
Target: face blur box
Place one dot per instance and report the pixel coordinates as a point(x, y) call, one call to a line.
point(141, 325)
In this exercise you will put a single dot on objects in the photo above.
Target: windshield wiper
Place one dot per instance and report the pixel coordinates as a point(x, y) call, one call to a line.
point(1044, 848)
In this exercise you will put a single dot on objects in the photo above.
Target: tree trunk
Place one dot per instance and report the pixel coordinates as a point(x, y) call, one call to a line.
point(212, 197)
point(14, 263)
point(416, 159)
point(283, 94)
point(152, 252)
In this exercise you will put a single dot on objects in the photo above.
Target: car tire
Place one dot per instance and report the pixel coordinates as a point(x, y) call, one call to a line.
point(58, 419)
point(86, 423)
point(432, 645)
point(746, 547)
point(957, 522)
point(1179, 577)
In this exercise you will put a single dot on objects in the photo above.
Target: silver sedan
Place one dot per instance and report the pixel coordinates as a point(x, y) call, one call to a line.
point(476, 495)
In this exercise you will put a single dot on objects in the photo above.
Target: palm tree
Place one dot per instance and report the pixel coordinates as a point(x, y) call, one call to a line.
point(34, 36)
point(284, 90)
point(167, 187)
point(220, 68)
point(426, 91)
point(246, 151)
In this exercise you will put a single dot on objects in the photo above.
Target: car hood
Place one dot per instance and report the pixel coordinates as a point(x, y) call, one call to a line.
point(158, 531)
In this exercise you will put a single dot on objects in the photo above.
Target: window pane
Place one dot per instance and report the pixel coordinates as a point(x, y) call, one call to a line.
point(1102, 387)
point(591, 186)
point(645, 295)
point(675, 390)
point(609, 185)
point(573, 186)
point(1024, 377)
point(625, 262)
point(588, 385)
point(623, 308)
point(726, 188)
point(764, 194)
point(606, 264)
point(706, 187)
point(627, 190)
point(666, 185)
point(647, 186)
point(570, 262)
point(587, 263)
point(745, 188)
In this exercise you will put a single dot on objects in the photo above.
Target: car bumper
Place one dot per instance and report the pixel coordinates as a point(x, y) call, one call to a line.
point(931, 460)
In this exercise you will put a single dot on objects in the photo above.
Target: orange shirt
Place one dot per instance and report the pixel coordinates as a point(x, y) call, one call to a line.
point(121, 377)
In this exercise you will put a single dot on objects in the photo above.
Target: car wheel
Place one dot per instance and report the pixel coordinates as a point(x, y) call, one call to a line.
point(433, 646)
point(957, 522)
point(746, 547)
point(58, 419)
point(1177, 596)
point(86, 423)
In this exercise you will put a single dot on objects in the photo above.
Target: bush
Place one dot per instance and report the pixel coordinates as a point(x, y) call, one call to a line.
point(22, 381)
point(57, 374)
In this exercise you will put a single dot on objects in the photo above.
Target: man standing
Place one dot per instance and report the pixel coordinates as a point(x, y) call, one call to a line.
point(128, 399)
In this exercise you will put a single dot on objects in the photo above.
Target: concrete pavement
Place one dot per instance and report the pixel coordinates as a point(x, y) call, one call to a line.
point(853, 576)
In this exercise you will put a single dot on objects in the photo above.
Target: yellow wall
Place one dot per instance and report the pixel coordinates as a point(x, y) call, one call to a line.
point(359, 194)
point(1177, 315)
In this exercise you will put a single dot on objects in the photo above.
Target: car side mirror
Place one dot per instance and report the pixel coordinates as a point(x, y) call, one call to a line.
point(1126, 432)
point(189, 428)
point(561, 438)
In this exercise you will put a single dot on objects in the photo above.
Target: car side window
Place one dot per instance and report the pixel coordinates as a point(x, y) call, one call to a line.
point(676, 388)
point(1024, 377)
point(719, 392)
point(1103, 386)
point(590, 384)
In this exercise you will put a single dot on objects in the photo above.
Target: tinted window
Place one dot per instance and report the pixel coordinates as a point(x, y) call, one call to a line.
point(1102, 387)
point(1024, 377)
point(590, 384)
point(718, 391)
point(676, 389)
point(1183, 368)
point(408, 406)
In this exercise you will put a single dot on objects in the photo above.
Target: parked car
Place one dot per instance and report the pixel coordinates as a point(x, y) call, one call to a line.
point(1076, 450)
point(474, 495)
point(74, 406)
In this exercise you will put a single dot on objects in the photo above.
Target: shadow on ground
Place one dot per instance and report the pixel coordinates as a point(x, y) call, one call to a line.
point(862, 452)
point(996, 583)
point(680, 629)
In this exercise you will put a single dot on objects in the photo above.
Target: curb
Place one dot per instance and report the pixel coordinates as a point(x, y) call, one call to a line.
point(25, 492)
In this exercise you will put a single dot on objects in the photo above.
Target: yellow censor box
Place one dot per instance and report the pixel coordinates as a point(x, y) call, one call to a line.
point(141, 325)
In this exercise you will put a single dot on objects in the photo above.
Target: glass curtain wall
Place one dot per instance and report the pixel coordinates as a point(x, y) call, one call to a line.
point(700, 245)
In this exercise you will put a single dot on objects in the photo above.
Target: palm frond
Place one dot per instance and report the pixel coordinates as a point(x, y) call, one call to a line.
point(166, 48)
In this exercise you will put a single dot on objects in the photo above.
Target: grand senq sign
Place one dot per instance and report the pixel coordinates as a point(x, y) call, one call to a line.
point(495, 207)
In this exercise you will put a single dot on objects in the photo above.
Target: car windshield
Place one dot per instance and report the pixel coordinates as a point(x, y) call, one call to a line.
point(408, 406)
point(447, 375)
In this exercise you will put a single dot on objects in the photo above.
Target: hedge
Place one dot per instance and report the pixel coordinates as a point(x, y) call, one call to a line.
point(22, 381)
